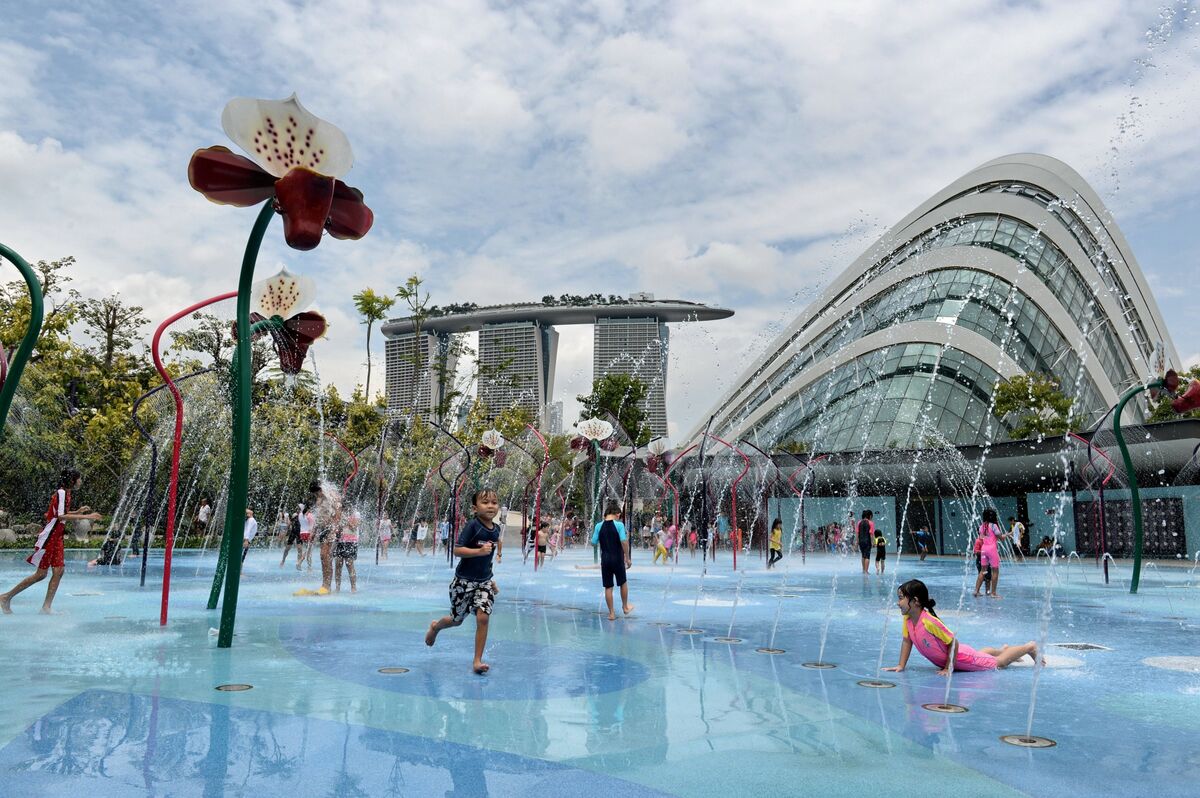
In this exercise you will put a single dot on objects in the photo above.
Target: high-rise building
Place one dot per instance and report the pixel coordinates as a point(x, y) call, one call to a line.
point(637, 347)
point(554, 418)
point(516, 366)
point(409, 391)
point(518, 346)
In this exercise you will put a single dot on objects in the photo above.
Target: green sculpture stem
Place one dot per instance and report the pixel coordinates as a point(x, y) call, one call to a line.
point(25, 350)
point(1134, 494)
point(224, 554)
point(239, 471)
point(595, 498)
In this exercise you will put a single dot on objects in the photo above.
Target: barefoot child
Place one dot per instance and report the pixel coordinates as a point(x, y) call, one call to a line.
point(923, 629)
point(48, 550)
point(610, 535)
point(472, 589)
point(345, 551)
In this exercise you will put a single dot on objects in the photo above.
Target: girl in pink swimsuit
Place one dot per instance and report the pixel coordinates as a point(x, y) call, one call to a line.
point(923, 629)
point(990, 535)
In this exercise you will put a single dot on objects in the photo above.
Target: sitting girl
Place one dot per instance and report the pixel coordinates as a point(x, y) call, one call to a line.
point(938, 644)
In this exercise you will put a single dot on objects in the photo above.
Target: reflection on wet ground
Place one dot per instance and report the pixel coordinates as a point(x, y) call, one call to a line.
point(345, 698)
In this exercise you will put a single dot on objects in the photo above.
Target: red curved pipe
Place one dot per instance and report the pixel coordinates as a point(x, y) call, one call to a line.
point(353, 459)
point(733, 493)
point(537, 492)
point(173, 484)
point(666, 481)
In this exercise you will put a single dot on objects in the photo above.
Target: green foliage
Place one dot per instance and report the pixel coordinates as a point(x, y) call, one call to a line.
point(1037, 407)
point(620, 395)
point(372, 307)
point(1161, 409)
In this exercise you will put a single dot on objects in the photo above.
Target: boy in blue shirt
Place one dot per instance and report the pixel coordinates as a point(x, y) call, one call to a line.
point(614, 557)
point(472, 589)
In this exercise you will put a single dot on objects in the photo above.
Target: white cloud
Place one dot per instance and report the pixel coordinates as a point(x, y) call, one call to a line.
point(735, 154)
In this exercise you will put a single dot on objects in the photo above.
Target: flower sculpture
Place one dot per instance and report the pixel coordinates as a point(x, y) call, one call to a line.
point(295, 159)
point(283, 295)
point(294, 169)
point(594, 434)
point(658, 454)
point(491, 444)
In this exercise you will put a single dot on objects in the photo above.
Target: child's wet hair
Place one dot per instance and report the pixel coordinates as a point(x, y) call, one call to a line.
point(483, 493)
point(612, 508)
point(68, 477)
point(990, 517)
point(777, 523)
point(915, 590)
point(867, 515)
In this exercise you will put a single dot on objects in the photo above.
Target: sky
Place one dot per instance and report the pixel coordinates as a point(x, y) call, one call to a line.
point(737, 154)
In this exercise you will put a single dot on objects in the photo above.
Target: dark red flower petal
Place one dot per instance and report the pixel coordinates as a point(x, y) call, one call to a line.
point(610, 444)
point(579, 443)
point(255, 318)
point(229, 179)
point(349, 217)
point(304, 199)
point(500, 457)
point(292, 342)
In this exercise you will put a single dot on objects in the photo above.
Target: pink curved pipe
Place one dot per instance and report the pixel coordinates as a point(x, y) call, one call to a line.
point(733, 494)
point(173, 484)
point(353, 459)
point(1111, 466)
point(666, 481)
point(800, 493)
point(537, 492)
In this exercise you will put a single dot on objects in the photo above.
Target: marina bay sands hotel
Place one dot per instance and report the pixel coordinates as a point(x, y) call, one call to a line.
point(518, 347)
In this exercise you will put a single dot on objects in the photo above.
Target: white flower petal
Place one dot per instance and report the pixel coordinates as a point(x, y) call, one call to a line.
point(595, 429)
point(281, 134)
point(283, 294)
point(658, 446)
point(492, 439)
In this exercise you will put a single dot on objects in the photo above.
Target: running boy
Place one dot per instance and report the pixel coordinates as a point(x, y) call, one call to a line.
point(880, 552)
point(472, 589)
point(614, 557)
point(48, 550)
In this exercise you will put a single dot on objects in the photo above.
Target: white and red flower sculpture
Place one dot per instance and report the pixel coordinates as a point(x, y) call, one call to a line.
point(491, 444)
point(594, 431)
point(286, 295)
point(296, 159)
point(659, 450)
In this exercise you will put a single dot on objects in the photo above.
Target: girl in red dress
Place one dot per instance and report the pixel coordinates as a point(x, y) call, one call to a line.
point(48, 550)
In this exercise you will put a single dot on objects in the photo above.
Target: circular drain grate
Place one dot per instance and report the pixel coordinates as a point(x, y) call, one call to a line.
point(878, 684)
point(393, 670)
point(234, 688)
point(1026, 741)
point(690, 631)
point(820, 666)
point(770, 651)
point(727, 639)
point(949, 709)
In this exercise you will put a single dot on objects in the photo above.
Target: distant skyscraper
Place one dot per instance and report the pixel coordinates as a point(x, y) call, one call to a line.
point(637, 347)
point(516, 366)
point(406, 393)
point(554, 418)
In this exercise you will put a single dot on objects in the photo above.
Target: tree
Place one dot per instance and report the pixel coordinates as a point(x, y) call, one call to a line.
point(373, 307)
point(621, 395)
point(113, 325)
point(1036, 405)
point(61, 309)
point(211, 336)
point(418, 310)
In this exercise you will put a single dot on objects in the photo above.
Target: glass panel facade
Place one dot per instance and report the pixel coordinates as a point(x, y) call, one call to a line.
point(906, 396)
point(972, 299)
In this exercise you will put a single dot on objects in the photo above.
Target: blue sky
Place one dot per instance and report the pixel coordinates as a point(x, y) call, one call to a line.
point(740, 156)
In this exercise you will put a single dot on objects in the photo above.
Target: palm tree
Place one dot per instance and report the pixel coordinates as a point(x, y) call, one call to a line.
point(373, 308)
